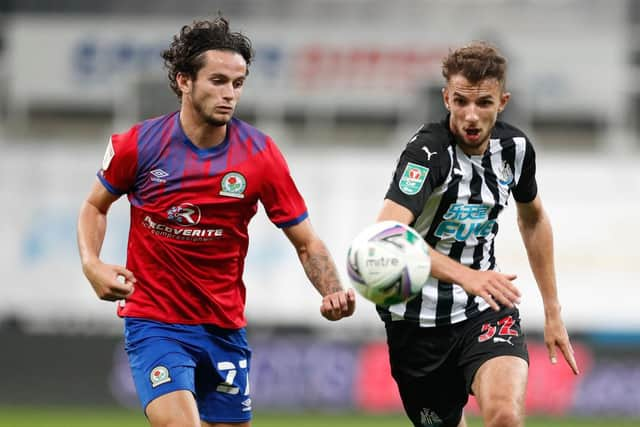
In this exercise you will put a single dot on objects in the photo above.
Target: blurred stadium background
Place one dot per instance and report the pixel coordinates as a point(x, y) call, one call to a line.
point(340, 85)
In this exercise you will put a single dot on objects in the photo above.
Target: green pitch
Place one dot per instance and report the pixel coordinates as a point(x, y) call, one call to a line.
point(100, 417)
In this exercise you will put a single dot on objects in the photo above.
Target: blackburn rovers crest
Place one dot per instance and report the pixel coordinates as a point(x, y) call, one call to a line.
point(233, 184)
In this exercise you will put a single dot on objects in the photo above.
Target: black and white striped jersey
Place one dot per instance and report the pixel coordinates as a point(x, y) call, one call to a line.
point(456, 199)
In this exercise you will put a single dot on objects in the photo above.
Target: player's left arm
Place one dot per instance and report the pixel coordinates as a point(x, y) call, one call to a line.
point(321, 271)
point(537, 235)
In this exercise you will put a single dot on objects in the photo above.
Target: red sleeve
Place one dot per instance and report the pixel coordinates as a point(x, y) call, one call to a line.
point(120, 163)
point(279, 195)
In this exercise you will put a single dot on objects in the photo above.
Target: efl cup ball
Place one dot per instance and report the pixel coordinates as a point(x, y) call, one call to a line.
point(388, 263)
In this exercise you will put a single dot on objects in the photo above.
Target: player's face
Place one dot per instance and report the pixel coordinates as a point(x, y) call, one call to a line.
point(474, 110)
point(215, 92)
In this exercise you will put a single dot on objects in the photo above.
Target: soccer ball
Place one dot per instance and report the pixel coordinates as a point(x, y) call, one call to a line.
point(388, 263)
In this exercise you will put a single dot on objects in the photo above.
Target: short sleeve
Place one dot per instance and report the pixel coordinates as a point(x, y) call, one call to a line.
point(279, 195)
point(119, 166)
point(418, 172)
point(526, 188)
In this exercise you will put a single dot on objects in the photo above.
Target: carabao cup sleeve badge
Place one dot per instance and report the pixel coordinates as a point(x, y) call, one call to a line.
point(413, 178)
point(233, 184)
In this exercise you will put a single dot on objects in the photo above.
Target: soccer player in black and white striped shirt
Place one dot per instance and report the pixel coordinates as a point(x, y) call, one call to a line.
point(462, 334)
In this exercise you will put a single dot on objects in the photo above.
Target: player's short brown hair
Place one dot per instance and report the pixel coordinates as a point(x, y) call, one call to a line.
point(185, 54)
point(476, 61)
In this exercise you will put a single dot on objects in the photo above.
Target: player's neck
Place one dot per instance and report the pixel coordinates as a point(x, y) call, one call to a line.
point(201, 133)
point(472, 149)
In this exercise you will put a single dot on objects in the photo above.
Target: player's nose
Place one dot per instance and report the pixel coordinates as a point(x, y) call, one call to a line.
point(471, 114)
point(228, 92)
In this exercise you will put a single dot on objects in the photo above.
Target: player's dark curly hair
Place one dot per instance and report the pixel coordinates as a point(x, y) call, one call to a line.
point(476, 61)
point(185, 54)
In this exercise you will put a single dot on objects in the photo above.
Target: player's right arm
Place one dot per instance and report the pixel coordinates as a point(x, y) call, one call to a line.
point(492, 286)
point(92, 224)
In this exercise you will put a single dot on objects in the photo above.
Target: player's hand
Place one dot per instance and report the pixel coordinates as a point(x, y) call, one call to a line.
point(556, 336)
point(339, 304)
point(492, 286)
point(110, 282)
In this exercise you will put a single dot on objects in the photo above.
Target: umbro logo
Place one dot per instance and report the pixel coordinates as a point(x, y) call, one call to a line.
point(158, 175)
point(429, 153)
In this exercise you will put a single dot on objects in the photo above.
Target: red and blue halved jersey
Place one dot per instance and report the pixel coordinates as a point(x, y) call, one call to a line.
point(190, 209)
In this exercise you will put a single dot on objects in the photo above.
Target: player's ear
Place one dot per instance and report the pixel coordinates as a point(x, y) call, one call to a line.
point(504, 99)
point(184, 82)
point(445, 97)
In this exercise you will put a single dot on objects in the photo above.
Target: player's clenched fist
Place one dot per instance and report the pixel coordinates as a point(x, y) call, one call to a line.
point(110, 282)
point(339, 304)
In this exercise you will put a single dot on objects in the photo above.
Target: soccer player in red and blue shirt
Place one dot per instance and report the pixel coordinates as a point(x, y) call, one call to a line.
point(193, 179)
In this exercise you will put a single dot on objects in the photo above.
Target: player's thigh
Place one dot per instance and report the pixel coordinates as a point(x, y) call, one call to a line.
point(501, 382)
point(431, 385)
point(177, 408)
point(160, 367)
point(222, 378)
point(488, 336)
point(435, 400)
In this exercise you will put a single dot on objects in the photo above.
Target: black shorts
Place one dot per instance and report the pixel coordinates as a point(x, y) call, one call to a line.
point(434, 367)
